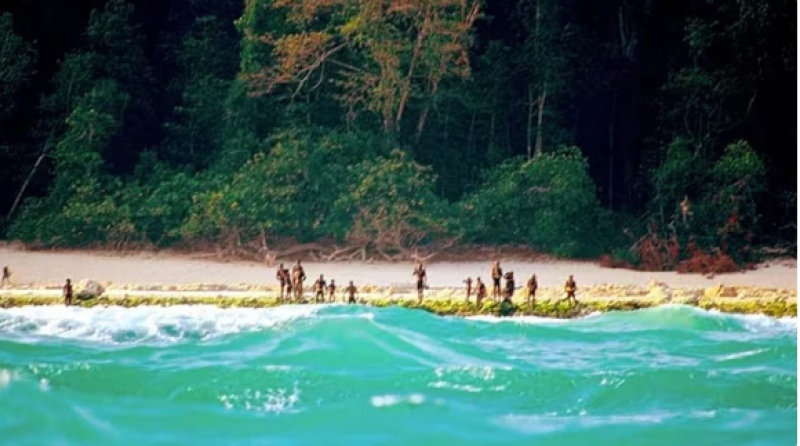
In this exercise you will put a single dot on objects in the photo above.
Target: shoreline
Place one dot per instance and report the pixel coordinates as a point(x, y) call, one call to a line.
point(35, 269)
point(447, 302)
point(147, 278)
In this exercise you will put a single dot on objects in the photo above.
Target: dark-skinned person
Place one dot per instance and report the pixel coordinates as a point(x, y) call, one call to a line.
point(497, 275)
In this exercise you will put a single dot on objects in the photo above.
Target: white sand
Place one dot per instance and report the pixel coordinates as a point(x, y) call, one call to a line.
point(42, 267)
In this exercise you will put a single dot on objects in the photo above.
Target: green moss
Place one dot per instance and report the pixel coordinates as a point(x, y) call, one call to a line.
point(552, 309)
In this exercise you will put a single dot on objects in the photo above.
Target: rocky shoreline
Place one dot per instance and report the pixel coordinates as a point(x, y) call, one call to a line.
point(774, 302)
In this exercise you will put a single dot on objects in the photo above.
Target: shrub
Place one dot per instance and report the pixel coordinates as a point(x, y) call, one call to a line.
point(390, 203)
point(547, 202)
point(723, 198)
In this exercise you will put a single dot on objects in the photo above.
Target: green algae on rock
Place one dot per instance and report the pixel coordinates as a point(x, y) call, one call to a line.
point(776, 307)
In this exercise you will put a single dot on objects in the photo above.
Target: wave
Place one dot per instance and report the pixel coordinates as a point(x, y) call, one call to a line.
point(666, 317)
point(117, 325)
point(166, 325)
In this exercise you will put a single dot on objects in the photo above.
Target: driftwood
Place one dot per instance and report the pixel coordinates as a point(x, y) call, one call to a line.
point(401, 242)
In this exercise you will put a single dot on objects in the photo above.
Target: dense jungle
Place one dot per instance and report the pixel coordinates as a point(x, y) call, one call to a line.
point(652, 134)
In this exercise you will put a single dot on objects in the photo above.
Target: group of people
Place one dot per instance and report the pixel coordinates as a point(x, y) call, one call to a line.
point(498, 292)
point(292, 286)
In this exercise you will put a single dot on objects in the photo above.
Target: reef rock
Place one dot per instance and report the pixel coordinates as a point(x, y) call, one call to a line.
point(720, 291)
point(659, 291)
point(90, 289)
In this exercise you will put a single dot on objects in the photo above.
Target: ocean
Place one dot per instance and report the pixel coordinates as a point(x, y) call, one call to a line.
point(335, 374)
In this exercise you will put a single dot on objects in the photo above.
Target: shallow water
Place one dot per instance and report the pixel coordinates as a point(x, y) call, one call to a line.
point(344, 375)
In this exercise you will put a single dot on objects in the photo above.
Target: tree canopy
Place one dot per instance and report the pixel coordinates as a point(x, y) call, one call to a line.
point(575, 128)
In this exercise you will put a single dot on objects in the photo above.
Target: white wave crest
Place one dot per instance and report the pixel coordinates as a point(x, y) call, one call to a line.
point(269, 400)
point(760, 322)
point(551, 422)
point(117, 325)
point(516, 319)
point(5, 378)
point(465, 387)
point(414, 399)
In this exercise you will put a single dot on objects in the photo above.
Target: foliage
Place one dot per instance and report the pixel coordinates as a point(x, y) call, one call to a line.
point(392, 203)
point(206, 65)
point(702, 205)
point(682, 173)
point(547, 202)
point(16, 64)
point(79, 209)
point(392, 125)
point(365, 47)
point(287, 191)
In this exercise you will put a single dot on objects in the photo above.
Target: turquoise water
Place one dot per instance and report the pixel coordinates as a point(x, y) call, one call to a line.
point(358, 375)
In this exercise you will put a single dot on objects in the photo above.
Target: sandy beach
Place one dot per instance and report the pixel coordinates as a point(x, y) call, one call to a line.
point(47, 268)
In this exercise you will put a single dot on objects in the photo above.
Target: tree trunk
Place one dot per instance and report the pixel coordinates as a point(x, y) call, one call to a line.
point(407, 83)
point(491, 130)
point(542, 99)
point(470, 138)
point(25, 184)
point(424, 115)
point(611, 126)
point(530, 121)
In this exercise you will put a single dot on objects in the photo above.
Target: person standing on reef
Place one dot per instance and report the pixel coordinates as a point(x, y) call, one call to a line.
point(332, 291)
point(509, 292)
point(422, 279)
point(67, 292)
point(497, 274)
point(469, 287)
point(480, 291)
point(298, 276)
point(319, 288)
point(570, 287)
point(284, 279)
point(6, 276)
point(533, 284)
point(351, 293)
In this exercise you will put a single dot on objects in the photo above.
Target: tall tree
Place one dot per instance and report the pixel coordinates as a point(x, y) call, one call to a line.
point(715, 92)
point(207, 63)
point(16, 68)
point(544, 67)
point(16, 64)
point(380, 56)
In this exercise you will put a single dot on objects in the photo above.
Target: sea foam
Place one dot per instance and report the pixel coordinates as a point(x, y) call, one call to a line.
point(117, 325)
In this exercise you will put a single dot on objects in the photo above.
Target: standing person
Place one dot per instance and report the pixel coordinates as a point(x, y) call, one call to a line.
point(319, 288)
point(67, 291)
point(6, 276)
point(570, 287)
point(469, 287)
point(332, 291)
point(509, 294)
point(532, 286)
point(480, 291)
point(497, 274)
point(298, 276)
point(351, 293)
point(422, 279)
point(283, 278)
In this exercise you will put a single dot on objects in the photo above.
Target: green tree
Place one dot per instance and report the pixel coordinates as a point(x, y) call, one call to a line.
point(16, 64)
point(207, 61)
point(728, 57)
point(544, 64)
point(392, 205)
point(380, 57)
point(547, 202)
point(78, 189)
point(16, 68)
